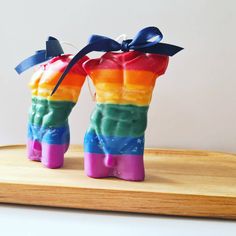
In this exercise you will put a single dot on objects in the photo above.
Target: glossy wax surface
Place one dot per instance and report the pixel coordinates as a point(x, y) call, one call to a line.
point(53, 111)
point(124, 83)
point(126, 78)
point(48, 128)
point(114, 142)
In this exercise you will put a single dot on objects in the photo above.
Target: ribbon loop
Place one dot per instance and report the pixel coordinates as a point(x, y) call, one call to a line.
point(53, 49)
point(146, 34)
point(147, 40)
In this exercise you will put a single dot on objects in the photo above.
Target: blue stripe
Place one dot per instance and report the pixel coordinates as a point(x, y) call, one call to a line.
point(59, 135)
point(96, 143)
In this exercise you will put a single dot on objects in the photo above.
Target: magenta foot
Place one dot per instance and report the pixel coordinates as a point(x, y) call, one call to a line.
point(130, 167)
point(94, 165)
point(127, 167)
point(34, 150)
point(53, 155)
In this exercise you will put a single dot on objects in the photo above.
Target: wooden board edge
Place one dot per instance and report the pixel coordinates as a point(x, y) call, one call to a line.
point(120, 201)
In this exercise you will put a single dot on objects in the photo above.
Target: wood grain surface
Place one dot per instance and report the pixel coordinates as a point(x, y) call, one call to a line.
point(178, 182)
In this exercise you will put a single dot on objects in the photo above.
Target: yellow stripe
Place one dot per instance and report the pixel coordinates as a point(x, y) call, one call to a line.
point(64, 93)
point(35, 79)
point(121, 94)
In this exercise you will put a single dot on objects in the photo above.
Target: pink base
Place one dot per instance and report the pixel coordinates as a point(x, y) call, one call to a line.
point(51, 155)
point(127, 167)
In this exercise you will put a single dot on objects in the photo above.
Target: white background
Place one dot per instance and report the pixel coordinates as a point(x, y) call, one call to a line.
point(42, 221)
point(193, 104)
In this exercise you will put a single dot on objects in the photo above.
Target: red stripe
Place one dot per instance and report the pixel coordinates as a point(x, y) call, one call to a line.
point(132, 60)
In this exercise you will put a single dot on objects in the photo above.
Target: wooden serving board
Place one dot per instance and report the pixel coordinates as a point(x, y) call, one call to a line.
point(178, 182)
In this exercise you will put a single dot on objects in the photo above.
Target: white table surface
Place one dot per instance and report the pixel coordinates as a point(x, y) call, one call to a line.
point(42, 221)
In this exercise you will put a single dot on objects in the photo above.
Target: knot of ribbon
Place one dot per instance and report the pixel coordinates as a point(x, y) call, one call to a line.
point(147, 40)
point(125, 45)
point(53, 49)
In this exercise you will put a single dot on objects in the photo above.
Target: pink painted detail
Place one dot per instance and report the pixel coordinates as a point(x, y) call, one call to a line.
point(127, 167)
point(110, 160)
point(51, 155)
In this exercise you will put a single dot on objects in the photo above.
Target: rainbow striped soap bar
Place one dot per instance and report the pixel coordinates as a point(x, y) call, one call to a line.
point(114, 142)
point(48, 128)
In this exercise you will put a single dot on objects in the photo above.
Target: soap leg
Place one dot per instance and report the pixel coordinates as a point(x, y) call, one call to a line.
point(34, 150)
point(94, 165)
point(130, 167)
point(53, 155)
point(94, 157)
point(129, 158)
point(54, 144)
point(126, 157)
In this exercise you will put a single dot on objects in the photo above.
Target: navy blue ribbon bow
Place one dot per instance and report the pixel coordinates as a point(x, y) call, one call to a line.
point(141, 42)
point(53, 49)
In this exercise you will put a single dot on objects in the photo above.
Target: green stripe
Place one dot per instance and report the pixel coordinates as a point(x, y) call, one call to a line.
point(119, 120)
point(47, 113)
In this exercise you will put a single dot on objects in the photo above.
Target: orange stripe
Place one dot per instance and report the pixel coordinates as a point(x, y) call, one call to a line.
point(50, 77)
point(132, 77)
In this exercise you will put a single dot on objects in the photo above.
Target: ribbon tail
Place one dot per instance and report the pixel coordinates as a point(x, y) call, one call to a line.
point(53, 49)
point(74, 60)
point(35, 59)
point(162, 49)
point(102, 45)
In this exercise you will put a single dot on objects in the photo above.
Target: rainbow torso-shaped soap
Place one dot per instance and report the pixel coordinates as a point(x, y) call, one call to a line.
point(114, 142)
point(48, 129)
